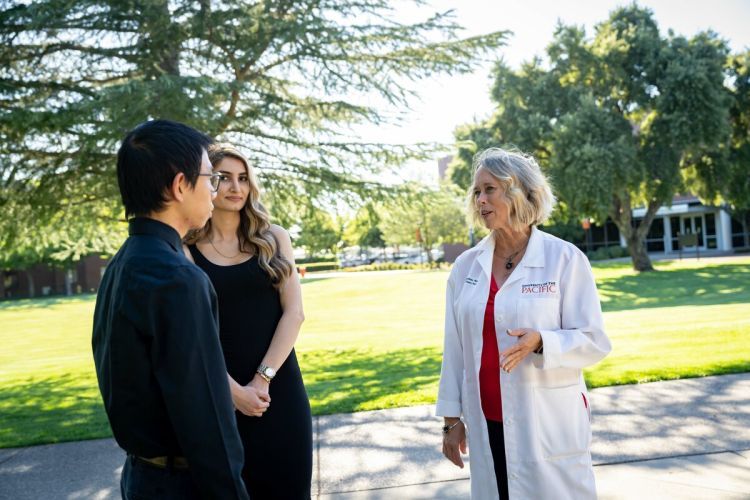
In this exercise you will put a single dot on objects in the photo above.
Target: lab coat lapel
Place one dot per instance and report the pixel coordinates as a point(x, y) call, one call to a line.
point(487, 247)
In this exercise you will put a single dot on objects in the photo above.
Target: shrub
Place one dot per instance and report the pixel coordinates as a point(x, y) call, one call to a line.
point(312, 267)
point(612, 252)
point(616, 252)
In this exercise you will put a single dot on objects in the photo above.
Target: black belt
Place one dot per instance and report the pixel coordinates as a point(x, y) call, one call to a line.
point(164, 462)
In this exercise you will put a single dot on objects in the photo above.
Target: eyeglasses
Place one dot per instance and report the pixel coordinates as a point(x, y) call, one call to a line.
point(215, 179)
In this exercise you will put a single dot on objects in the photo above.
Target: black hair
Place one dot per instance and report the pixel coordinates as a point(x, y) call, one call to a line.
point(149, 158)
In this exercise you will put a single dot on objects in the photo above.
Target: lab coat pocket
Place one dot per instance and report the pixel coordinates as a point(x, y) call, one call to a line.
point(539, 313)
point(562, 421)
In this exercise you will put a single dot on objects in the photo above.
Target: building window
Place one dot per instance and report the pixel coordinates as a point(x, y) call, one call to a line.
point(611, 233)
point(655, 236)
point(675, 231)
point(711, 231)
point(606, 235)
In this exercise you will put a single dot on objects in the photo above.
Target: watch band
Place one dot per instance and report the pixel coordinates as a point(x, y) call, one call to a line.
point(266, 372)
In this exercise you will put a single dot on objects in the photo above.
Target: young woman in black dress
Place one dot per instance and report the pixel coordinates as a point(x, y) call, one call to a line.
point(251, 265)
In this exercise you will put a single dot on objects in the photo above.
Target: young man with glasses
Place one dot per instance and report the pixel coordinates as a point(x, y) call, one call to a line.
point(156, 347)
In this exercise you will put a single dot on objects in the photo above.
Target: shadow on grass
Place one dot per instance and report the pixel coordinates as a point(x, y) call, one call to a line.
point(52, 410)
point(69, 407)
point(41, 303)
point(725, 284)
point(355, 380)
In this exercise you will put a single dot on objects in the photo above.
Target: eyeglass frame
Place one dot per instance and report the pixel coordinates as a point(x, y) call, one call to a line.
point(217, 182)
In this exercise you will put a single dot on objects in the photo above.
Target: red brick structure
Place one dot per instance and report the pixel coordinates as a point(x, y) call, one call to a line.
point(42, 280)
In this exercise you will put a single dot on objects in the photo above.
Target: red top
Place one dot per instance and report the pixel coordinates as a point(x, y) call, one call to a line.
point(489, 371)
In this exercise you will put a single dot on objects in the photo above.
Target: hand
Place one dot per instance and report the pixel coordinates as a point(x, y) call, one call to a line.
point(529, 340)
point(251, 401)
point(454, 443)
point(260, 384)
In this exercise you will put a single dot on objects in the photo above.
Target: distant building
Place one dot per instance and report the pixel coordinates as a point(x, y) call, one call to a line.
point(715, 228)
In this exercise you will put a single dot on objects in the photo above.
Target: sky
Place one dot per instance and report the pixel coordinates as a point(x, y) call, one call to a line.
point(445, 102)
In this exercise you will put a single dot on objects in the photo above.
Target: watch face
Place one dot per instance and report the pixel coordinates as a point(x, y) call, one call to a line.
point(269, 372)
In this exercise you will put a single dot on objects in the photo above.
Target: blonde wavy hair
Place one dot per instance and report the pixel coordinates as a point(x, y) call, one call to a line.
point(526, 188)
point(254, 232)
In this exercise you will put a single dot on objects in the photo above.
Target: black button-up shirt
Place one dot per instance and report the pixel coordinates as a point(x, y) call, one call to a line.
point(159, 363)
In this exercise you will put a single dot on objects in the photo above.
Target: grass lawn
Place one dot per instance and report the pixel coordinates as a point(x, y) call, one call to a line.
point(374, 340)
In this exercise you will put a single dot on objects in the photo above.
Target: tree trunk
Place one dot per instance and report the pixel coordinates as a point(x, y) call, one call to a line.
point(637, 249)
point(635, 238)
point(426, 249)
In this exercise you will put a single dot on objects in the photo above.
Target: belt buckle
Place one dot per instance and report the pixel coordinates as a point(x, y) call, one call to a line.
point(165, 462)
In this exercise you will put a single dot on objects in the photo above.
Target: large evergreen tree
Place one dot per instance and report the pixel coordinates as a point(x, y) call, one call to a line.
point(284, 80)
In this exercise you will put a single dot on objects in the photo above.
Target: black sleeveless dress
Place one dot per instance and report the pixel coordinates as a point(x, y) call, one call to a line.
point(278, 445)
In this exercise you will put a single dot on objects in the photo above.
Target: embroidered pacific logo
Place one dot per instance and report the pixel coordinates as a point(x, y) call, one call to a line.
point(549, 287)
point(471, 281)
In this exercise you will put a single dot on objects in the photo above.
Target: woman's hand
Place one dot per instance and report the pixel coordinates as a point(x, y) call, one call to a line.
point(529, 340)
point(261, 385)
point(251, 400)
point(454, 443)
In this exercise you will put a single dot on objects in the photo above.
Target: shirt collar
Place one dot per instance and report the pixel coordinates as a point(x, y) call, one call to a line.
point(153, 227)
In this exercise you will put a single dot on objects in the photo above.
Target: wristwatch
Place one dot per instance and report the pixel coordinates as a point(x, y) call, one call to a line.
point(266, 372)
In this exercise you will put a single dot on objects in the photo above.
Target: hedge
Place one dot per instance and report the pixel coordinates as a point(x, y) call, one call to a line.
point(392, 266)
point(312, 267)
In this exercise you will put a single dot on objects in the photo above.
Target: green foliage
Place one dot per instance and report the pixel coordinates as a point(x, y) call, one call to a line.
point(460, 170)
point(566, 229)
point(283, 80)
point(319, 232)
point(363, 230)
point(59, 238)
point(738, 191)
point(436, 215)
point(624, 119)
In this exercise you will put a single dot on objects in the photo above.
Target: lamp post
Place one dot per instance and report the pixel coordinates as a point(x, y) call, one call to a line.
point(586, 225)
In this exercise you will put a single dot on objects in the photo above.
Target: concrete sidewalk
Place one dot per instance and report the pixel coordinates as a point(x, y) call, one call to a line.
point(686, 439)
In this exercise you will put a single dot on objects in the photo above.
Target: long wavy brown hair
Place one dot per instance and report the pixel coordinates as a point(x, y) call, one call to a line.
point(254, 232)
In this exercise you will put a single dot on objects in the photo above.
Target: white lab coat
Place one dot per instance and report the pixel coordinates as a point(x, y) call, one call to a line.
point(546, 416)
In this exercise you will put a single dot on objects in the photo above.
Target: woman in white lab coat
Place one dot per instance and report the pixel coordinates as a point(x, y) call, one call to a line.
point(522, 319)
